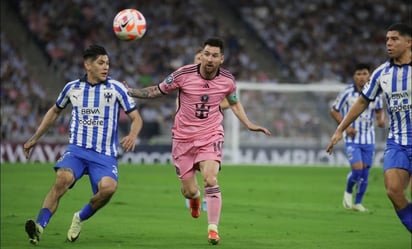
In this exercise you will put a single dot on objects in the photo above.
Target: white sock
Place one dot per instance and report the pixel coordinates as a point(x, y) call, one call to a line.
point(212, 227)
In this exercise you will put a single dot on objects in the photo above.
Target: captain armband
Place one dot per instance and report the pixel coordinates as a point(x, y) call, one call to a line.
point(232, 98)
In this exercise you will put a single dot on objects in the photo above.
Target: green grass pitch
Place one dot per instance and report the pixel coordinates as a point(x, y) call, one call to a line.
point(263, 208)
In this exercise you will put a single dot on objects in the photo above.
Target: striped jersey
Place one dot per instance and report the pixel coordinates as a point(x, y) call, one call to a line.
point(396, 84)
point(199, 115)
point(95, 113)
point(365, 123)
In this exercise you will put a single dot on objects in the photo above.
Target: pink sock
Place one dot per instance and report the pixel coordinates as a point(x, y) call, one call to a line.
point(214, 204)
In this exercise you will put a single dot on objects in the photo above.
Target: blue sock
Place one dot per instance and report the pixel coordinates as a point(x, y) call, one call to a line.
point(44, 217)
point(363, 185)
point(86, 212)
point(353, 178)
point(405, 215)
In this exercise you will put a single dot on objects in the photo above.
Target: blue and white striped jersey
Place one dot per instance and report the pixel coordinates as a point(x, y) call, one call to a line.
point(365, 123)
point(95, 113)
point(396, 84)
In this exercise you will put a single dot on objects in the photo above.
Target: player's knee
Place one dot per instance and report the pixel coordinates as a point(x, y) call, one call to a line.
point(393, 193)
point(64, 179)
point(108, 190)
point(210, 181)
point(190, 192)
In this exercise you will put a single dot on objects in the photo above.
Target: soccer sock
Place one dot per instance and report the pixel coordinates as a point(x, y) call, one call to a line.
point(363, 185)
point(44, 217)
point(213, 203)
point(352, 179)
point(86, 212)
point(212, 227)
point(405, 215)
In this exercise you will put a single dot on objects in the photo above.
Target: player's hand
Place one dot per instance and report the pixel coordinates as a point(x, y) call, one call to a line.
point(260, 128)
point(350, 131)
point(128, 143)
point(334, 140)
point(27, 147)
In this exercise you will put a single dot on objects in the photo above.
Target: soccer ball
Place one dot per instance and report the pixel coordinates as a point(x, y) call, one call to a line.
point(129, 25)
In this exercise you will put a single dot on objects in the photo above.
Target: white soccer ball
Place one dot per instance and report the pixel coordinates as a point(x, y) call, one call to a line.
point(129, 25)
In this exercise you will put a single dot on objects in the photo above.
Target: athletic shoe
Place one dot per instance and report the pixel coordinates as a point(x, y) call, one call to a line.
point(213, 237)
point(360, 208)
point(347, 200)
point(75, 228)
point(34, 231)
point(195, 207)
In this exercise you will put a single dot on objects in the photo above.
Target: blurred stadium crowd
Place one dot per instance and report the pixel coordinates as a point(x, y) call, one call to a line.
point(312, 41)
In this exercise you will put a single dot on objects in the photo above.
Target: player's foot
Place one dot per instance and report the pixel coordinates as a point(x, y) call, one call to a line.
point(75, 228)
point(195, 207)
point(347, 200)
point(34, 231)
point(360, 208)
point(213, 237)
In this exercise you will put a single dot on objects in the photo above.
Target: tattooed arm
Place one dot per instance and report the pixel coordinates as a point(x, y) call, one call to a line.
point(145, 93)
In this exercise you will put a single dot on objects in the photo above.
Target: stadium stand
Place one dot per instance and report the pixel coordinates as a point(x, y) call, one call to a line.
point(289, 29)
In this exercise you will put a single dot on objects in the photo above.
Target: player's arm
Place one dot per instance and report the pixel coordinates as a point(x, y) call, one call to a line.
point(224, 104)
point(145, 93)
point(128, 142)
point(380, 118)
point(350, 131)
point(336, 115)
point(240, 113)
point(357, 108)
point(48, 120)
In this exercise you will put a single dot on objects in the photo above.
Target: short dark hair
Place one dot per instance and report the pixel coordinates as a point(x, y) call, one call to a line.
point(94, 51)
point(361, 66)
point(215, 42)
point(403, 29)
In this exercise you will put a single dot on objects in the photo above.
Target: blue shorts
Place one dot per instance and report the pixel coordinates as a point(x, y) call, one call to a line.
point(360, 153)
point(397, 156)
point(83, 161)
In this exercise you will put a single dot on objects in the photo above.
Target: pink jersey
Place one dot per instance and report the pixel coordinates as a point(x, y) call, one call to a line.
point(199, 115)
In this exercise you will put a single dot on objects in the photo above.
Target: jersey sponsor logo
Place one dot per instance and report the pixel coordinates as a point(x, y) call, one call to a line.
point(91, 122)
point(202, 111)
point(399, 95)
point(398, 108)
point(88, 111)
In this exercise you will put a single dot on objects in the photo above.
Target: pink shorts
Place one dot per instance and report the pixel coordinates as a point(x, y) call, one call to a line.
point(187, 155)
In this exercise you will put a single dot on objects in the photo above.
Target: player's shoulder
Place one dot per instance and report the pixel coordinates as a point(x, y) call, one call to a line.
point(74, 84)
point(186, 69)
point(350, 87)
point(382, 68)
point(115, 83)
point(226, 73)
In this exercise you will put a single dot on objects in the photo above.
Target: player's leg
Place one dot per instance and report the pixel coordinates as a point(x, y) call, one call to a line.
point(190, 190)
point(68, 169)
point(397, 168)
point(396, 182)
point(213, 196)
point(353, 178)
point(367, 152)
point(103, 174)
point(183, 159)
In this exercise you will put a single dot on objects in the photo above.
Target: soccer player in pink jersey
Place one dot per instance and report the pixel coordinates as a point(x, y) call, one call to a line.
point(197, 132)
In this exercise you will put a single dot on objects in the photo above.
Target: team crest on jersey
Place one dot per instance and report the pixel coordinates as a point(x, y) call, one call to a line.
point(169, 79)
point(108, 96)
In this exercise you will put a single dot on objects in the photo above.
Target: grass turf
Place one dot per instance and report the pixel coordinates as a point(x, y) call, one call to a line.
point(263, 208)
